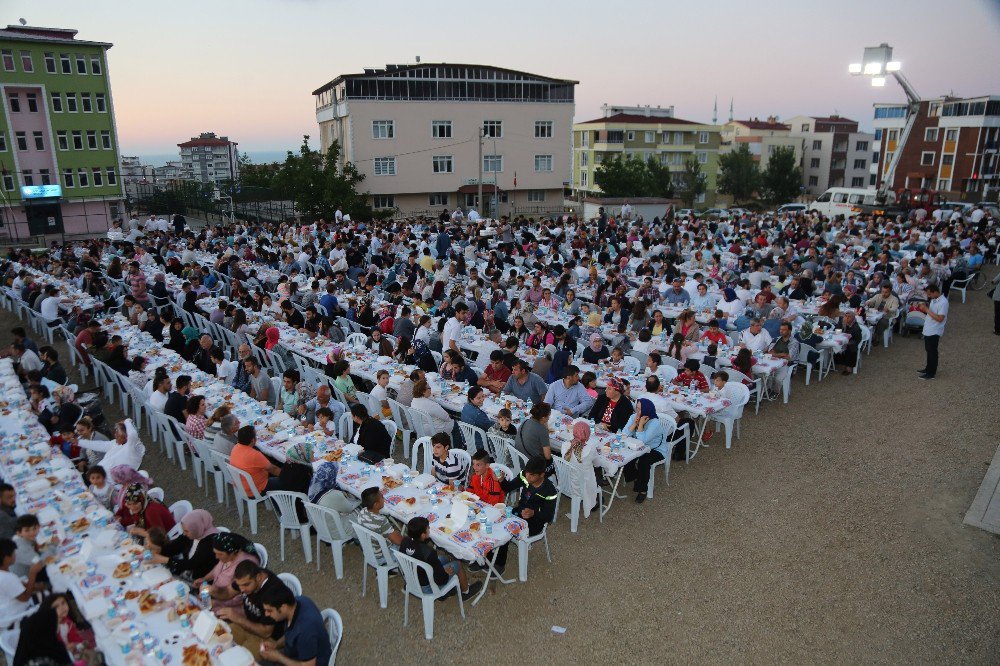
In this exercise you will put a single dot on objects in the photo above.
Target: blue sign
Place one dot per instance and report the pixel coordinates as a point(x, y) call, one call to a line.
point(41, 191)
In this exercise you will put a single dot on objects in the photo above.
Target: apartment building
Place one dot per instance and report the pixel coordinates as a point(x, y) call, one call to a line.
point(951, 147)
point(59, 156)
point(762, 138)
point(834, 153)
point(210, 159)
point(645, 132)
point(414, 131)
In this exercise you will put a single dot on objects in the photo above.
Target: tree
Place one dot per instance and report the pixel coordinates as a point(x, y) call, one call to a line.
point(740, 175)
point(257, 175)
point(782, 179)
point(619, 177)
point(659, 180)
point(692, 183)
point(319, 184)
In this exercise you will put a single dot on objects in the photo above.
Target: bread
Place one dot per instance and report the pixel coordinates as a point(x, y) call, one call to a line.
point(195, 656)
point(123, 570)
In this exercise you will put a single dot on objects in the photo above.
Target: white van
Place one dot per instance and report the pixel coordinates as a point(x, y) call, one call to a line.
point(841, 201)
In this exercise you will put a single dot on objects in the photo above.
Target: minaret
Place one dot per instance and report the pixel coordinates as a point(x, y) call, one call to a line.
point(730, 109)
point(715, 111)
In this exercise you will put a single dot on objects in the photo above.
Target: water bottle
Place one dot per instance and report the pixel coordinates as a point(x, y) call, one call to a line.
point(489, 526)
point(205, 595)
point(692, 386)
point(663, 336)
point(147, 556)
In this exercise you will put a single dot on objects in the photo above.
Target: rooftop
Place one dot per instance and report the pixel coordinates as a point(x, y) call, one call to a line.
point(758, 124)
point(30, 33)
point(206, 139)
point(634, 118)
point(452, 71)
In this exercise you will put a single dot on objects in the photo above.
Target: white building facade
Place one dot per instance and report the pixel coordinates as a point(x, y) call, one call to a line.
point(210, 159)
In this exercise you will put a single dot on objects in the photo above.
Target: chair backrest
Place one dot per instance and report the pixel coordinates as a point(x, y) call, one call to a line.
point(671, 361)
point(496, 446)
point(368, 541)
point(508, 473)
point(261, 553)
point(390, 427)
point(421, 422)
point(632, 365)
point(465, 458)
point(472, 436)
point(742, 398)
point(357, 340)
point(328, 523)
point(639, 356)
point(421, 452)
point(399, 415)
point(156, 493)
point(204, 451)
point(243, 484)
point(285, 500)
point(335, 630)
point(409, 567)
point(517, 459)
point(275, 396)
point(567, 477)
point(292, 581)
point(345, 426)
point(804, 352)
point(179, 509)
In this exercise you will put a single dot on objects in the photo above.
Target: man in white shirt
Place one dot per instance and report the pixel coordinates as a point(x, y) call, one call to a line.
point(158, 399)
point(936, 312)
point(49, 307)
point(453, 328)
point(27, 360)
point(756, 338)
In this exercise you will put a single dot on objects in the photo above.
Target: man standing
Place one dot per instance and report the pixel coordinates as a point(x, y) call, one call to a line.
point(937, 316)
point(453, 328)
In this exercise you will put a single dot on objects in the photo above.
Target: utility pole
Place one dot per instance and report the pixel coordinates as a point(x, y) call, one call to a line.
point(479, 181)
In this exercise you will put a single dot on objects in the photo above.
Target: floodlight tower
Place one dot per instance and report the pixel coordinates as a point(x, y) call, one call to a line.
point(876, 64)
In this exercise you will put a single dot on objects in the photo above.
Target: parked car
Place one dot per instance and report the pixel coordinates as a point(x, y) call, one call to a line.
point(791, 209)
point(715, 213)
point(685, 212)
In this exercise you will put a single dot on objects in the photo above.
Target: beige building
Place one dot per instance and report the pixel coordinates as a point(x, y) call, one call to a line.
point(415, 132)
point(762, 137)
point(834, 153)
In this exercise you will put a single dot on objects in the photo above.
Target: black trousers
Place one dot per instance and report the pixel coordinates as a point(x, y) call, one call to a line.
point(931, 347)
point(638, 470)
point(996, 315)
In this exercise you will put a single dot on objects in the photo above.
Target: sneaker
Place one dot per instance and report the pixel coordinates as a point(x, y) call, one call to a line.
point(926, 376)
point(473, 590)
point(922, 371)
point(640, 498)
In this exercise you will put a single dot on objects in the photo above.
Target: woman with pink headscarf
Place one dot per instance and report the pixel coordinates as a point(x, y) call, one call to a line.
point(580, 453)
point(191, 554)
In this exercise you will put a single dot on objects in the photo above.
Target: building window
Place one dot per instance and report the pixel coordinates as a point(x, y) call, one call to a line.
point(543, 129)
point(861, 146)
point(3, 142)
point(702, 137)
point(68, 178)
point(947, 160)
point(95, 64)
point(32, 102)
point(585, 139)
point(934, 109)
point(878, 135)
point(50, 63)
point(28, 177)
point(584, 159)
point(927, 158)
point(112, 176)
point(888, 159)
point(92, 139)
point(702, 157)
point(543, 163)
point(86, 103)
point(859, 164)
point(96, 175)
point(441, 129)
point(630, 136)
point(26, 63)
point(81, 68)
point(700, 198)
point(66, 66)
point(951, 135)
point(39, 138)
point(616, 136)
point(62, 140)
point(8, 60)
point(818, 144)
point(383, 129)
point(102, 103)
point(536, 196)
point(15, 102)
point(858, 181)
point(438, 199)
point(77, 140)
point(57, 106)
point(930, 134)
point(493, 129)
point(22, 141)
point(893, 135)
point(814, 163)
point(804, 128)
point(385, 166)
point(583, 179)
point(492, 163)
point(8, 182)
point(814, 180)
point(875, 157)
point(106, 139)
point(944, 185)
point(45, 176)
point(678, 138)
point(383, 201)
point(443, 164)
point(71, 102)
point(650, 137)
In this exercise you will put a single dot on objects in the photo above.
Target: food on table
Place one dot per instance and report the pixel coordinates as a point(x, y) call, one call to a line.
point(123, 570)
point(390, 482)
point(334, 456)
point(410, 501)
point(148, 602)
point(134, 594)
point(474, 527)
point(79, 525)
point(34, 460)
point(193, 655)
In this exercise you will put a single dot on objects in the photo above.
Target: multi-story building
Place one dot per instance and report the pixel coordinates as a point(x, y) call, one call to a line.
point(417, 132)
point(645, 132)
point(58, 140)
point(210, 159)
point(762, 137)
point(951, 147)
point(834, 153)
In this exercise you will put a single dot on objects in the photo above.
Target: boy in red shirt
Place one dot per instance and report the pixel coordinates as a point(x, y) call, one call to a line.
point(483, 483)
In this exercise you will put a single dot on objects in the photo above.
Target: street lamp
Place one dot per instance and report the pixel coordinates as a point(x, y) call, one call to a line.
point(876, 64)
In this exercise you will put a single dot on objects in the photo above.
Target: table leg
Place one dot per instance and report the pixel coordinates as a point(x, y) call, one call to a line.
point(522, 560)
point(613, 492)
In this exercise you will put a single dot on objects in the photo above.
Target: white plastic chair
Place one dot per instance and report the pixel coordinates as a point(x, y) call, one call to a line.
point(155, 493)
point(542, 536)
point(676, 436)
point(632, 365)
point(292, 582)
point(390, 427)
point(409, 567)
point(369, 540)
point(402, 423)
point(517, 459)
point(8, 642)
point(288, 519)
point(472, 434)
point(205, 459)
point(335, 630)
point(421, 452)
point(730, 416)
point(803, 361)
point(496, 446)
point(330, 529)
point(179, 509)
point(465, 458)
point(245, 499)
point(261, 553)
point(570, 483)
point(357, 340)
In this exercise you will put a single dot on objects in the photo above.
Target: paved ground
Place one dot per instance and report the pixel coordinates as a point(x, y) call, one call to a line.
point(832, 532)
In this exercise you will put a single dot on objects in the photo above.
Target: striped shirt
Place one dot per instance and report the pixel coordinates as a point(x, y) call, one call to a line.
point(448, 470)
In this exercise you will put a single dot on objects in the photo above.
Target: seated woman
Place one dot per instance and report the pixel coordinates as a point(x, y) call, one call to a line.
point(341, 372)
point(596, 351)
point(191, 555)
point(612, 410)
point(229, 549)
point(370, 434)
point(645, 426)
point(424, 402)
point(139, 512)
point(581, 452)
point(324, 490)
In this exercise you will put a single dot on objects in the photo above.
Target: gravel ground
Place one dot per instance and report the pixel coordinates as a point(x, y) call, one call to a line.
point(831, 532)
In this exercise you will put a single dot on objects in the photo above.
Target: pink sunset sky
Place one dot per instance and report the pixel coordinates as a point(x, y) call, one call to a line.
point(246, 68)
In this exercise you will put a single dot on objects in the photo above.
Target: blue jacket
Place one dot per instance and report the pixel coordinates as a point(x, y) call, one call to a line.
point(653, 435)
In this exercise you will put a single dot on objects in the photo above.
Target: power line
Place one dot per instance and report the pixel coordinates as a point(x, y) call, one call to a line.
point(415, 152)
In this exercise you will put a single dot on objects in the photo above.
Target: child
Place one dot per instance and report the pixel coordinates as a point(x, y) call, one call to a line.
point(503, 427)
point(715, 334)
point(448, 468)
point(102, 491)
point(712, 356)
point(538, 501)
point(379, 393)
point(324, 421)
point(589, 381)
point(156, 539)
point(484, 482)
point(643, 345)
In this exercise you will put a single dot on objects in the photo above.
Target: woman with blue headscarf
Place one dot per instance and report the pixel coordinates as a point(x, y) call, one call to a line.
point(324, 490)
point(731, 305)
point(645, 426)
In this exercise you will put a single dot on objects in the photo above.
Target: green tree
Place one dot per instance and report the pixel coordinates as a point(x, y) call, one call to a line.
point(257, 175)
point(659, 180)
point(781, 181)
point(632, 177)
point(691, 183)
point(319, 184)
point(740, 175)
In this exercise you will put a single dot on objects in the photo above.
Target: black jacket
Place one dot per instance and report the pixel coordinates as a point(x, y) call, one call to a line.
point(619, 417)
point(372, 436)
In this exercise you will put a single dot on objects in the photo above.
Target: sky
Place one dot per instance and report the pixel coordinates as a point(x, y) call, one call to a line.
point(246, 68)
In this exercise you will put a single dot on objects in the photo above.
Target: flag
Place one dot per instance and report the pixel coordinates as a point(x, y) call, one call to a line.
point(515, 179)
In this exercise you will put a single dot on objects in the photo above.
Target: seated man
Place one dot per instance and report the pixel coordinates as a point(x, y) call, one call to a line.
point(304, 639)
point(568, 395)
point(418, 545)
point(252, 626)
point(496, 373)
point(247, 458)
point(755, 338)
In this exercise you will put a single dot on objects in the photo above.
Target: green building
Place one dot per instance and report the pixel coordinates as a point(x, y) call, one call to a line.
point(643, 132)
point(58, 143)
